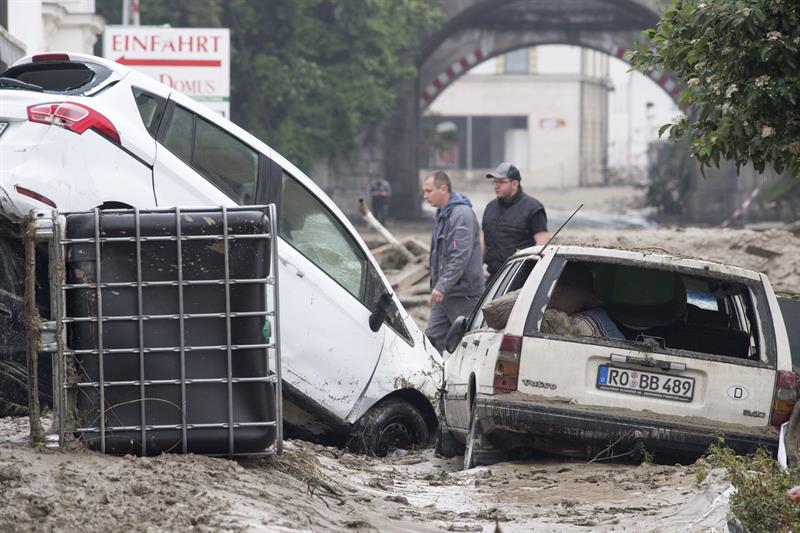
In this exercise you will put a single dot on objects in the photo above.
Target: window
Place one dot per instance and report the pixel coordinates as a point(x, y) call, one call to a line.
point(66, 77)
point(313, 230)
point(507, 281)
point(517, 61)
point(374, 290)
point(150, 109)
point(226, 162)
point(666, 310)
point(229, 164)
point(180, 133)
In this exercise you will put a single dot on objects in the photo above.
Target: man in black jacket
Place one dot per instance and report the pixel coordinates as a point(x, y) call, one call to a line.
point(512, 221)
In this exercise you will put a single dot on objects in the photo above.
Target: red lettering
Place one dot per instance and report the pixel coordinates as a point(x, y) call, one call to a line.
point(215, 38)
point(189, 43)
point(201, 43)
point(154, 41)
point(169, 45)
point(115, 42)
point(166, 79)
point(140, 42)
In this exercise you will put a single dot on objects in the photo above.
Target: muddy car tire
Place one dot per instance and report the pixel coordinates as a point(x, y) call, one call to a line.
point(446, 444)
point(478, 450)
point(392, 424)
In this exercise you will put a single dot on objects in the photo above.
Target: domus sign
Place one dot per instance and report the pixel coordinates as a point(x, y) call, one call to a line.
point(194, 61)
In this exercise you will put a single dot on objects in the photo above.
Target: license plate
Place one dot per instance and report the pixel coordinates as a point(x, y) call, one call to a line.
point(3, 126)
point(653, 384)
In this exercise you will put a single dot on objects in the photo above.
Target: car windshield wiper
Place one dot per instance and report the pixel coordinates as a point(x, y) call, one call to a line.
point(11, 83)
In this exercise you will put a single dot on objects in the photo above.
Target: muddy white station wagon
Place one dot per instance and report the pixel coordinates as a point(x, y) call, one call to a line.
point(602, 352)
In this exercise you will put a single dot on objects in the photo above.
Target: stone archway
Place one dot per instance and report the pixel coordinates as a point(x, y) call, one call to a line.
point(475, 30)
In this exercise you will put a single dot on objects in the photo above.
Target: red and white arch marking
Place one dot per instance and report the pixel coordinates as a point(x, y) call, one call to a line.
point(473, 58)
point(449, 74)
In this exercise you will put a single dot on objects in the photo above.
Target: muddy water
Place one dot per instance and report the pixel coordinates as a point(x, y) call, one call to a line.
point(317, 488)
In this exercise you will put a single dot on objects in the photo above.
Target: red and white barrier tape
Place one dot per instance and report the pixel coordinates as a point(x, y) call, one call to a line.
point(742, 208)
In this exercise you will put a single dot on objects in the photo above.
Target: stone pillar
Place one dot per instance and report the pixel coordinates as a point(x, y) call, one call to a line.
point(401, 155)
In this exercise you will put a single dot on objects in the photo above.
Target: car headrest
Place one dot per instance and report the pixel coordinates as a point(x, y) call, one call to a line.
point(640, 297)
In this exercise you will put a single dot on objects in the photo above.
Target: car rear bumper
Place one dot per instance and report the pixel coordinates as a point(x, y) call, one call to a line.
point(564, 428)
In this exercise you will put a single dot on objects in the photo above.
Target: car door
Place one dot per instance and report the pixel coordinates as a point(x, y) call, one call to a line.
point(198, 163)
point(460, 366)
point(329, 352)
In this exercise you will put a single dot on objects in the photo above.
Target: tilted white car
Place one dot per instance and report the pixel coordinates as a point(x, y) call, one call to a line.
point(77, 132)
point(607, 351)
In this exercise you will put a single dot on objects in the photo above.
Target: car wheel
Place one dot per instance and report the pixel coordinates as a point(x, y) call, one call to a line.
point(390, 425)
point(479, 451)
point(446, 444)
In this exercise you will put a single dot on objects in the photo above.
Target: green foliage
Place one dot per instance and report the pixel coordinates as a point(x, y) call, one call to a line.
point(740, 61)
point(308, 76)
point(760, 501)
point(670, 177)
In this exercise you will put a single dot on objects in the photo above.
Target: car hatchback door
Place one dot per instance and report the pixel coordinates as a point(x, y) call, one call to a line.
point(712, 362)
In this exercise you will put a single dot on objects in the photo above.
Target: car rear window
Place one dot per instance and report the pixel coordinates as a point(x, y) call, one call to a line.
point(61, 76)
point(664, 309)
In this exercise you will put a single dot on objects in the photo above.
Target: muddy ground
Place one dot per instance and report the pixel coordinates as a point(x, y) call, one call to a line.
point(316, 488)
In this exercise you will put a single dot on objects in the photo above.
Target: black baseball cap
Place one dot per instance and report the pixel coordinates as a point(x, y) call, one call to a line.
point(505, 170)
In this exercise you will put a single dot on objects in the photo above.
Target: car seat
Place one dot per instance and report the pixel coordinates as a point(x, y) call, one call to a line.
point(640, 298)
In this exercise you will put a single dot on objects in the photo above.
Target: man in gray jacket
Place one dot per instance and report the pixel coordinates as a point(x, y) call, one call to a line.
point(456, 264)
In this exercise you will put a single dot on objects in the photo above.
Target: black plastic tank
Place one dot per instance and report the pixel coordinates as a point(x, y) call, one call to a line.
point(167, 373)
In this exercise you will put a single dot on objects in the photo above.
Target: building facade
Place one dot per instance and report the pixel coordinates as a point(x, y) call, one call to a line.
point(545, 109)
point(34, 26)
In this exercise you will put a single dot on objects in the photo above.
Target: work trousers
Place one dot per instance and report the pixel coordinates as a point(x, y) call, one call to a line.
point(444, 314)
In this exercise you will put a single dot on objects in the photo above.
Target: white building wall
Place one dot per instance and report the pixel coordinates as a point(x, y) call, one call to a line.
point(55, 25)
point(546, 101)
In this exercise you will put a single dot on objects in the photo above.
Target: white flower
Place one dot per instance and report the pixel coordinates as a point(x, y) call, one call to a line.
point(766, 131)
point(694, 82)
point(701, 6)
point(746, 11)
point(774, 36)
point(726, 108)
point(761, 81)
point(677, 119)
point(732, 89)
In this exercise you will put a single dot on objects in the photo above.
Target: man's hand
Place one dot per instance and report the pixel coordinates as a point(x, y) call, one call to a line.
point(437, 297)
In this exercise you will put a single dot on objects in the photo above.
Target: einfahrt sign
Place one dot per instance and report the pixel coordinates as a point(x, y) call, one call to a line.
point(194, 61)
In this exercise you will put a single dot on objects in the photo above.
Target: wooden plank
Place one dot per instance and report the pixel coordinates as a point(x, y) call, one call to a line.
point(408, 276)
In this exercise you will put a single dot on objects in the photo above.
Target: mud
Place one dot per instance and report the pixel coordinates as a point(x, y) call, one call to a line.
point(317, 488)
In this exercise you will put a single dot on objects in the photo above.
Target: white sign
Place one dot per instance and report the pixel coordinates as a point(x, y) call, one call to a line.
point(194, 61)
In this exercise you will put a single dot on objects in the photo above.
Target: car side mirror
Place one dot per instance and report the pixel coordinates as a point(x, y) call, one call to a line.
point(378, 315)
point(455, 334)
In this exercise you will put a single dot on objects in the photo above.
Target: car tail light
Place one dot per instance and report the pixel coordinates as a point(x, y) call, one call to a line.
point(506, 369)
point(73, 117)
point(41, 58)
point(36, 196)
point(785, 397)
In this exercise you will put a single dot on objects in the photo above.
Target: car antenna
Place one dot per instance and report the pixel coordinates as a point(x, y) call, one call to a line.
point(541, 252)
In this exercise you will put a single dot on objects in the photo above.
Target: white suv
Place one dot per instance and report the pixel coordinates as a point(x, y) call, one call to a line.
point(606, 351)
point(77, 132)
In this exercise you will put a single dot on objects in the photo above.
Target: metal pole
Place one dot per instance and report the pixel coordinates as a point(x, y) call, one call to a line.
point(136, 19)
point(126, 12)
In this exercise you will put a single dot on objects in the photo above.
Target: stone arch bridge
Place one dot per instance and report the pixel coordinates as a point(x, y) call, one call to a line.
point(473, 31)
